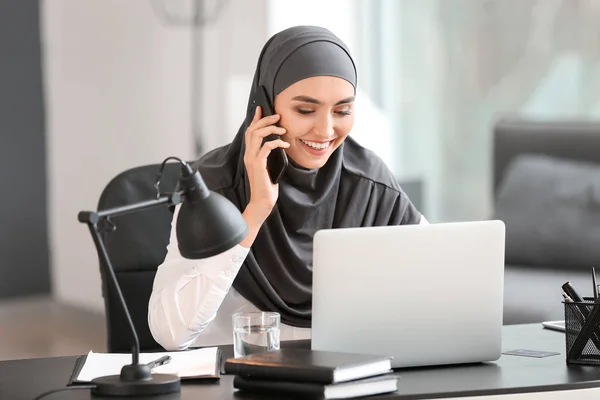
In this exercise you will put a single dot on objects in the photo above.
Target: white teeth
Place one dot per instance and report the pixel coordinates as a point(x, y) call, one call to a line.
point(315, 145)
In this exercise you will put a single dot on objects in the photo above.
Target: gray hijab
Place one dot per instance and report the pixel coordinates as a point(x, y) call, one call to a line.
point(353, 189)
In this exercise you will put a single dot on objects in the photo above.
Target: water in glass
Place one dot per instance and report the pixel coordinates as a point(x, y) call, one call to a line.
point(252, 339)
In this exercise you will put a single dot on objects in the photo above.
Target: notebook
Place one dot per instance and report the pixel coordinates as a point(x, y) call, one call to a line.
point(310, 390)
point(189, 364)
point(306, 365)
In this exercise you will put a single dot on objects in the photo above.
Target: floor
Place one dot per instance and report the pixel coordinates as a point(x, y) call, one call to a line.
point(40, 327)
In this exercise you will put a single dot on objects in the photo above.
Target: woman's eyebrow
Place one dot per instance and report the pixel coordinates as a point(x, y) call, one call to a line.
point(307, 99)
point(345, 101)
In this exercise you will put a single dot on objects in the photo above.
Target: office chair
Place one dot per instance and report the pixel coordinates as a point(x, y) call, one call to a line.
point(136, 248)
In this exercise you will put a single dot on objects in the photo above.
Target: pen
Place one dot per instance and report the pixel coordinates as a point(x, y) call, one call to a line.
point(576, 310)
point(575, 297)
point(160, 361)
point(594, 282)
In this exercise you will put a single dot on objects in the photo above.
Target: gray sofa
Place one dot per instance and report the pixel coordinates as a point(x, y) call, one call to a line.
point(547, 191)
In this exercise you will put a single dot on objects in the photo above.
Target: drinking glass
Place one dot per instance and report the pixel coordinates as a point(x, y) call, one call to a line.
point(255, 332)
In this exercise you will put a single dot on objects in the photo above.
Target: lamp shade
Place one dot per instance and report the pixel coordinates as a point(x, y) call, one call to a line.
point(209, 226)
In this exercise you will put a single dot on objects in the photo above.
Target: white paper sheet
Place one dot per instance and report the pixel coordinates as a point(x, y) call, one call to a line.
point(197, 363)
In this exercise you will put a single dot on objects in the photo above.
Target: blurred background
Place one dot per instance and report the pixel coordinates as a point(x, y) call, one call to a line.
point(91, 88)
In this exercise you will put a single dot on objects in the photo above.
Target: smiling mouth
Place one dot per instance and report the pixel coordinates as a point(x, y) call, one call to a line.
point(318, 146)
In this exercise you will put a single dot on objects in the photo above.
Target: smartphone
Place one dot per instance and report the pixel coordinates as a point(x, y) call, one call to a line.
point(277, 160)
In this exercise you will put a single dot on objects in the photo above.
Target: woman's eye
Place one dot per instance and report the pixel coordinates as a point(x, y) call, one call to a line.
point(344, 111)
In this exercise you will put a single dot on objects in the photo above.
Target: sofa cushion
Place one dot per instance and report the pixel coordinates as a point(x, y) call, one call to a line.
point(551, 208)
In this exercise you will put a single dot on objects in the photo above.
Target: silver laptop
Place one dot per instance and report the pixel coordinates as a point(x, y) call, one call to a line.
point(424, 294)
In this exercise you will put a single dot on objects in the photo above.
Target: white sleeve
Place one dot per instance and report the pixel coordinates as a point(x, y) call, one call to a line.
point(187, 294)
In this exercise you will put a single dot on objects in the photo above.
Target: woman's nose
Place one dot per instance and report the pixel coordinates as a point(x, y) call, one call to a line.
point(325, 126)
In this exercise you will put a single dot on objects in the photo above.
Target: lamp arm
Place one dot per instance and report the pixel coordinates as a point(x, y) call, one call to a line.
point(92, 219)
point(109, 271)
point(170, 200)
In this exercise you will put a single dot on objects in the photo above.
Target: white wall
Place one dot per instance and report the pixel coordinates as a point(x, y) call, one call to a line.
point(117, 87)
point(228, 52)
point(339, 16)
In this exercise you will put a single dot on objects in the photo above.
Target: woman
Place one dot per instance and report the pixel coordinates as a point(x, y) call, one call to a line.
point(331, 182)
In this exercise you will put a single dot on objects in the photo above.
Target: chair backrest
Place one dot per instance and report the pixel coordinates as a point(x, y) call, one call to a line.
point(577, 140)
point(136, 248)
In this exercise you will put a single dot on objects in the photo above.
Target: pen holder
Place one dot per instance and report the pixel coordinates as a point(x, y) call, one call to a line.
point(582, 332)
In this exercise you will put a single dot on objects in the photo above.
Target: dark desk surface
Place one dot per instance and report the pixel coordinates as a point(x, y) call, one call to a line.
point(24, 379)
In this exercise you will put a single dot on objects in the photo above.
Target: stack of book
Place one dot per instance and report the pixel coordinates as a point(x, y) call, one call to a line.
point(311, 374)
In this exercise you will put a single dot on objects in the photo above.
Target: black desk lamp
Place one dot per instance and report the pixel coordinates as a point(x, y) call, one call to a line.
point(208, 224)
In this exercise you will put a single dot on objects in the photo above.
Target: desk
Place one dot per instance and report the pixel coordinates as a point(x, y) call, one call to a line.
point(24, 379)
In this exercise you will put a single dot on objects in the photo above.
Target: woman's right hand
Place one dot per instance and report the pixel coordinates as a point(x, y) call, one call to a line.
point(263, 194)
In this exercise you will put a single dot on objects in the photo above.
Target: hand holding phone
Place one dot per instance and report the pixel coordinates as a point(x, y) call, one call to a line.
point(263, 192)
point(277, 160)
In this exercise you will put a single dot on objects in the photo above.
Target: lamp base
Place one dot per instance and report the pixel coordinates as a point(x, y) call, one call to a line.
point(113, 386)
